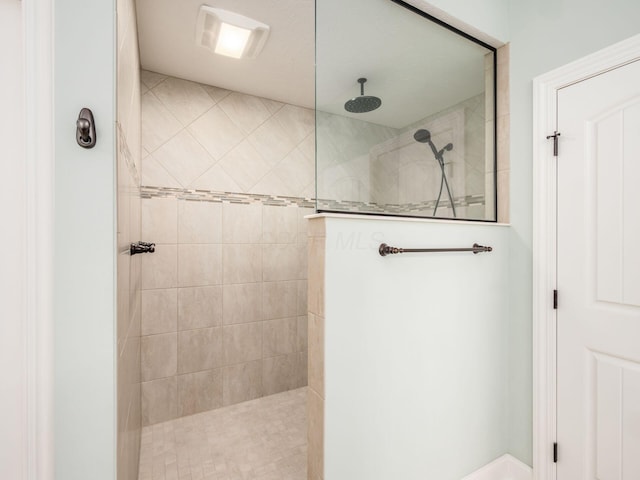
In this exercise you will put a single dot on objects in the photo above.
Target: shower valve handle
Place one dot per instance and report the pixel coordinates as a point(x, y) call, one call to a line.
point(142, 247)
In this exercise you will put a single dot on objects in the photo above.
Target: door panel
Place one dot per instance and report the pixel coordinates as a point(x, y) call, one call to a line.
point(599, 277)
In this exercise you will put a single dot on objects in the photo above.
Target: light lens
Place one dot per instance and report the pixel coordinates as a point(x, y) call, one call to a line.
point(232, 40)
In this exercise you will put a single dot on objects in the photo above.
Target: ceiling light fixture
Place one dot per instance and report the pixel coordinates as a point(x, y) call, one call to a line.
point(230, 34)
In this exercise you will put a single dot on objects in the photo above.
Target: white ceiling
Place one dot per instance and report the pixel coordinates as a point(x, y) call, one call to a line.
point(416, 67)
point(284, 70)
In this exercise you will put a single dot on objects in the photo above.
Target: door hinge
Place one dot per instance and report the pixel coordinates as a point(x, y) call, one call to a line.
point(555, 453)
point(555, 136)
point(555, 299)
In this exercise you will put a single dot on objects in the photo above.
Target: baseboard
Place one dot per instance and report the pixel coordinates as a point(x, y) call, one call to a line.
point(505, 467)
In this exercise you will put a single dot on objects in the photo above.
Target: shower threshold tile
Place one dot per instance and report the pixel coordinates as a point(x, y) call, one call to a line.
point(261, 439)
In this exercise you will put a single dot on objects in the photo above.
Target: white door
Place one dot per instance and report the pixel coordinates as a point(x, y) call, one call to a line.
point(598, 422)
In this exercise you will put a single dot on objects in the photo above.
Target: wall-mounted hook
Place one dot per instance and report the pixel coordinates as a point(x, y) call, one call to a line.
point(86, 129)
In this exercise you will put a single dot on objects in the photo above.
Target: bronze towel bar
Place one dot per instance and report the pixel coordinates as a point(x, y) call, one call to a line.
point(385, 249)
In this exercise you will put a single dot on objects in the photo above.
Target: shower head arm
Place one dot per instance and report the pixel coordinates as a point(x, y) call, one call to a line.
point(362, 81)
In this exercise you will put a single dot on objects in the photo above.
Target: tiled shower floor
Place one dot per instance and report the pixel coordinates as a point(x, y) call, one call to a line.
point(263, 439)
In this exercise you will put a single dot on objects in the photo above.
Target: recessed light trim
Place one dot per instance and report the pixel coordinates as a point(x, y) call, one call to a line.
point(230, 34)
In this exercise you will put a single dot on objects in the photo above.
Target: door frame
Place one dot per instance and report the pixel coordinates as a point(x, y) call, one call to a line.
point(37, 278)
point(545, 89)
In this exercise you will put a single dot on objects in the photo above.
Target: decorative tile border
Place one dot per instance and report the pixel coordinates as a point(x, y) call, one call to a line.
point(226, 197)
point(407, 208)
point(284, 201)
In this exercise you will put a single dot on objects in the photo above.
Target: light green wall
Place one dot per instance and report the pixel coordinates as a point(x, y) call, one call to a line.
point(544, 34)
point(488, 16)
point(84, 267)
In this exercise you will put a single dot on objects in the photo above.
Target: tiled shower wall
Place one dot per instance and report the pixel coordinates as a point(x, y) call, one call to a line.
point(224, 295)
point(128, 224)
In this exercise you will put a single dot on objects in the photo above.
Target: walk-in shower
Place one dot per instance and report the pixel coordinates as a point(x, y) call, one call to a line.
point(368, 158)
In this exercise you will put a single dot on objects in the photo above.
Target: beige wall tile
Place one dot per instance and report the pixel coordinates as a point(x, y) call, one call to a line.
point(303, 368)
point(159, 311)
point(200, 265)
point(158, 124)
point(128, 366)
point(160, 269)
point(503, 142)
point(199, 222)
point(280, 336)
point(185, 100)
point(216, 93)
point(315, 290)
point(216, 272)
point(302, 333)
point(184, 158)
point(272, 141)
point(245, 111)
point(303, 304)
point(280, 373)
point(158, 356)
point(284, 262)
point(242, 342)
point(279, 299)
point(135, 313)
point(128, 415)
point(308, 146)
point(200, 349)
point(241, 263)
point(159, 220)
point(503, 55)
point(297, 122)
point(216, 180)
point(296, 170)
point(245, 165)
point(272, 184)
point(316, 227)
point(155, 175)
point(198, 392)
point(122, 269)
point(315, 435)
point(272, 105)
point(502, 83)
point(241, 223)
point(303, 224)
point(199, 307)
point(242, 382)
point(151, 79)
point(242, 303)
point(280, 224)
point(316, 353)
point(159, 400)
point(216, 132)
point(503, 196)
point(303, 260)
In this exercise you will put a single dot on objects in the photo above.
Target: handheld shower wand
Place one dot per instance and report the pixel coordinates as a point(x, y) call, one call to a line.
point(424, 136)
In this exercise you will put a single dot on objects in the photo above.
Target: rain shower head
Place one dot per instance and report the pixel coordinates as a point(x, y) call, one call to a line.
point(363, 103)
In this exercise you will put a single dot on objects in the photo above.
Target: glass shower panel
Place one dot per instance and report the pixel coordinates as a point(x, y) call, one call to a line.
point(404, 114)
